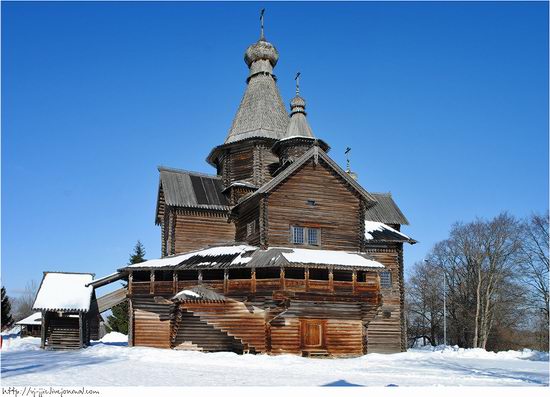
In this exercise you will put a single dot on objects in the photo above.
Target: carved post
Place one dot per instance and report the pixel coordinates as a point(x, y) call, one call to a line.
point(282, 275)
point(43, 331)
point(253, 281)
point(130, 323)
point(152, 282)
point(306, 276)
point(331, 280)
point(130, 281)
point(200, 276)
point(354, 281)
point(225, 281)
point(80, 329)
point(175, 281)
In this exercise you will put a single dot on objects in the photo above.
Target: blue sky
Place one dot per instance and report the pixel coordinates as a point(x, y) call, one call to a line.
point(444, 104)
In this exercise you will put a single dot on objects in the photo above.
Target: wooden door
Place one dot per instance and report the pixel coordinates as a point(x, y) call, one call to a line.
point(312, 334)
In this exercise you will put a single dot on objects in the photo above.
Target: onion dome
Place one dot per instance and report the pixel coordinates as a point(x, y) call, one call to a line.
point(261, 50)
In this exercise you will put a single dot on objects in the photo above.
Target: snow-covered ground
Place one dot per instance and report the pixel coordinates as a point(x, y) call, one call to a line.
point(111, 363)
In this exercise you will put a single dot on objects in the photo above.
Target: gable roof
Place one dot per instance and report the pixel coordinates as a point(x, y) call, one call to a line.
point(33, 319)
point(385, 210)
point(64, 291)
point(316, 153)
point(181, 188)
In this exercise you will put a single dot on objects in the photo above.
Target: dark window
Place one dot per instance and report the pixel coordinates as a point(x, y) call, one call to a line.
point(250, 228)
point(313, 236)
point(297, 235)
point(386, 313)
point(342, 275)
point(240, 274)
point(141, 276)
point(268, 272)
point(312, 203)
point(362, 277)
point(385, 279)
point(216, 274)
point(164, 275)
point(295, 273)
point(318, 274)
point(188, 275)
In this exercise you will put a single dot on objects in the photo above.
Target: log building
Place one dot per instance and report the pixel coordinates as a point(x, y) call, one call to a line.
point(279, 251)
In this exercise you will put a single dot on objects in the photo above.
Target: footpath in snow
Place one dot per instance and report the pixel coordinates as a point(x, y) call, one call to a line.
point(111, 363)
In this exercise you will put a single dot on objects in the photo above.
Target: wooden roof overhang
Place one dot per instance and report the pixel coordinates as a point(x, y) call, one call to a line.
point(100, 282)
point(272, 257)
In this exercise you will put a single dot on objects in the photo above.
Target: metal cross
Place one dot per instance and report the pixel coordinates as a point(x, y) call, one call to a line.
point(262, 23)
point(297, 78)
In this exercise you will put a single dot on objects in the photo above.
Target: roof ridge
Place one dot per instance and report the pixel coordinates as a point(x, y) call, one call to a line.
point(182, 171)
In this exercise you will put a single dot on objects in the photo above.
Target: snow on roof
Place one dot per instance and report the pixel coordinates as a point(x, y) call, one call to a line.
point(33, 319)
point(326, 257)
point(64, 291)
point(186, 293)
point(208, 252)
point(371, 227)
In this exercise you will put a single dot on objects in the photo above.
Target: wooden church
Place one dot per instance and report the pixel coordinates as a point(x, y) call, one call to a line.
point(279, 251)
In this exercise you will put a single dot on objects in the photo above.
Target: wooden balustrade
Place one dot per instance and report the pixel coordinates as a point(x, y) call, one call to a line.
point(251, 285)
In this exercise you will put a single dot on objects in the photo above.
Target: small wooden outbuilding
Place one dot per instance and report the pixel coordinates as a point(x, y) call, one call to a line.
point(31, 325)
point(70, 317)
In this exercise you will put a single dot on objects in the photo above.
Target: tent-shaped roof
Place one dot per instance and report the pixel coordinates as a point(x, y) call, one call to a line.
point(64, 292)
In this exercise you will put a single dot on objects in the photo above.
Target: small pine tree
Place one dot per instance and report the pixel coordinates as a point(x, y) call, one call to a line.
point(118, 321)
point(7, 319)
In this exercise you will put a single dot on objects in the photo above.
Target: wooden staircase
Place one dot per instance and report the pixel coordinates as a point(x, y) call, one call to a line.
point(192, 333)
point(244, 323)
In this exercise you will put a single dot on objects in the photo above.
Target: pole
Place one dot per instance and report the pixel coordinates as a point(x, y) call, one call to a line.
point(444, 309)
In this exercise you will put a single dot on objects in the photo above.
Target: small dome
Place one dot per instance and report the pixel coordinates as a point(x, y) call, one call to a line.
point(296, 102)
point(261, 50)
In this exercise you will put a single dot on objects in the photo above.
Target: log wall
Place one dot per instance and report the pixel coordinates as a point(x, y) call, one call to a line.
point(194, 230)
point(151, 323)
point(335, 211)
point(385, 331)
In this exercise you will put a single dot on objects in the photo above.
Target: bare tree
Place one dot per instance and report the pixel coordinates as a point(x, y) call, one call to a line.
point(23, 303)
point(535, 272)
point(480, 260)
point(425, 302)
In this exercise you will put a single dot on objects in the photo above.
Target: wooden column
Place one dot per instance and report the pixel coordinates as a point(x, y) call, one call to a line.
point(200, 276)
point(253, 281)
point(175, 281)
point(354, 281)
point(282, 275)
point(225, 281)
point(306, 275)
point(81, 329)
point(331, 280)
point(130, 281)
point(152, 282)
point(130, 323)
point(43, 331)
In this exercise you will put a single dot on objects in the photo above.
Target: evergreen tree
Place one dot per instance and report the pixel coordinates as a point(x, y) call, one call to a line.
point(7, 320)
point(118, 321)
